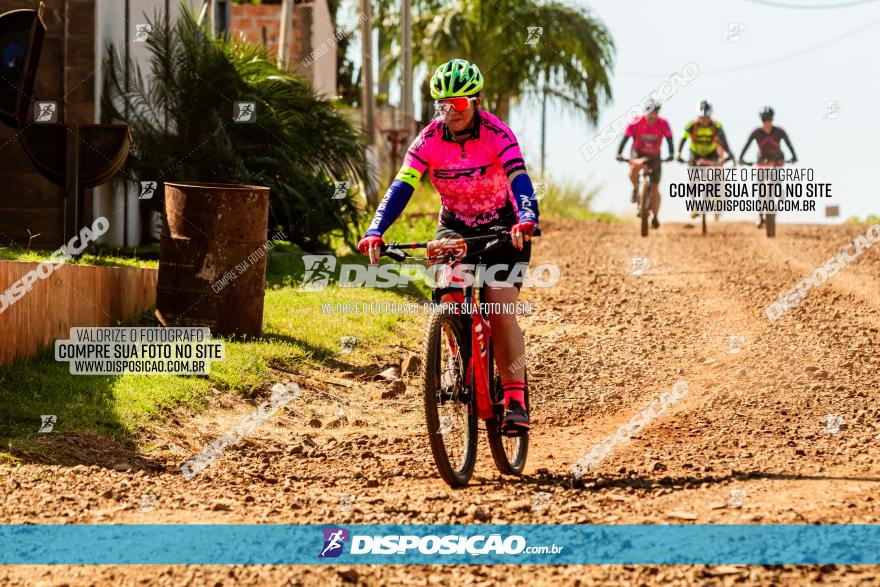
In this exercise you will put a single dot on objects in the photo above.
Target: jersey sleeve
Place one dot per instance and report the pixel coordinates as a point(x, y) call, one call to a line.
point(415, 162)
point(788, 142)
point(686, 134)
point(722, 138)
point(752, 137)
point(630, 130)
point(666, 130)
point(417, 159)
point(508, 151)
point(510, 156)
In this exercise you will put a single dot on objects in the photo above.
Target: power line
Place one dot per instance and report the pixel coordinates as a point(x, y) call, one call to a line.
point(795, 54)
point(811, 6)
point(778, 59)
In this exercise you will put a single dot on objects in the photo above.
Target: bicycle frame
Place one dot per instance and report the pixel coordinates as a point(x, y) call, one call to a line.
point(703, 162)
point(477, 348)
point(768, 219)
point(644, 190)
point(459, 377)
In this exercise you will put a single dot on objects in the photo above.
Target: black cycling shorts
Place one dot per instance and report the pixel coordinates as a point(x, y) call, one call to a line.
point(505, 257)
point(713, 156)
point(653, 164)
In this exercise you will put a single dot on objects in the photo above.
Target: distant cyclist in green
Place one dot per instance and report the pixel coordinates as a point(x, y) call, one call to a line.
point(708, 142)
point(706, 136)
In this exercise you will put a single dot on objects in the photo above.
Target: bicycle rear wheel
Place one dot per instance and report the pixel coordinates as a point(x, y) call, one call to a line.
point(704, 224)
point(450, 407)
point(770, 223)
point(508, 452)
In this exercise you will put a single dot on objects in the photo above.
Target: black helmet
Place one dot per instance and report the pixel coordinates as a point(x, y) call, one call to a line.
point(704, 109)
point(652, 105)
point(766, 113)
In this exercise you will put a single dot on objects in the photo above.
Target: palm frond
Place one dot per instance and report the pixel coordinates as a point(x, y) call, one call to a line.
point(181, 122)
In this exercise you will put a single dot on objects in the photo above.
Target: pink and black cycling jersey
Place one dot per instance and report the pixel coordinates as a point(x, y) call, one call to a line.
point(472, 178)
point(769, 144)
point(647, 137)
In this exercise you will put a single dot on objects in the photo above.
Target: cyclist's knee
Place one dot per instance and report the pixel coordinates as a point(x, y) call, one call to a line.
point(503, 292)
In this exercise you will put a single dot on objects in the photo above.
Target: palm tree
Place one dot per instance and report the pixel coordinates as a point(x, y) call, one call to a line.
point(573, 55)
point(182, 128)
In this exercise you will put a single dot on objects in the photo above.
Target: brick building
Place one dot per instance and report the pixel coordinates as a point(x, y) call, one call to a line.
point(311, 25)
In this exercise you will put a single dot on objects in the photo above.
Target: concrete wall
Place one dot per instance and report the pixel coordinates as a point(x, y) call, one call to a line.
point(311, 25)
point(117, 201)
point(73, 296)
point(323, 70)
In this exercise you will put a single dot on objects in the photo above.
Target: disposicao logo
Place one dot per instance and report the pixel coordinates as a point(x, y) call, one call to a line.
point(334, 540)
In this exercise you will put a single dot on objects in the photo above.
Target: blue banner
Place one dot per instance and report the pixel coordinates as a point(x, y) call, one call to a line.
point(439, 544)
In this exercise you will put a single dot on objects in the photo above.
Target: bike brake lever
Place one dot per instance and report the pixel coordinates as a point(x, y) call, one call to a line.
point(395, 254)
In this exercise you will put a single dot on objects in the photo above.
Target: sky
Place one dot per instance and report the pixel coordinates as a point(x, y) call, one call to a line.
point(771, 64)
point(793, 55)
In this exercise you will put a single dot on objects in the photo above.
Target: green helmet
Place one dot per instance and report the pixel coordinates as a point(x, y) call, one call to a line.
point(456, 78)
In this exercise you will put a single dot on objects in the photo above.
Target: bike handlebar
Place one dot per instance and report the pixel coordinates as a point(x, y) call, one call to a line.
point(623, 159)
point(393, 250)
point(752, 163)
point(700, 161)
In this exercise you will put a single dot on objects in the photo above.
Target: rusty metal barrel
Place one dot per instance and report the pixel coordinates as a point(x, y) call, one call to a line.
point(212, 264)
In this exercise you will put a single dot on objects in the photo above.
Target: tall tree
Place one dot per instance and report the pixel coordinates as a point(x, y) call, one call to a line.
point(573, 53)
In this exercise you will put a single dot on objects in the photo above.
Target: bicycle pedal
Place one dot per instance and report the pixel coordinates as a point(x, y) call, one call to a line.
point(514, 432)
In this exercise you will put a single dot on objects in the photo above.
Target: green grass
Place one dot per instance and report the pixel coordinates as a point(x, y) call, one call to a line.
point(296, 334)
point(144, 257)
point(869, 220)
point(571, 200)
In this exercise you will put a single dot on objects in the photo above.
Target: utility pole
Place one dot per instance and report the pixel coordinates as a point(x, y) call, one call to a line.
point(369, 100)
point(543, 127)
point(406, 44)
point(368, 108)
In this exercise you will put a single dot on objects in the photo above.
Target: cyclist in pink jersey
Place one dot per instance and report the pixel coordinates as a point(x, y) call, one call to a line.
point(647, 133)
point(477, 168)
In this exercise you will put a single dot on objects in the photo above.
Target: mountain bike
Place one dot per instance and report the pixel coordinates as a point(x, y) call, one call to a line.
point(643, 201)
point(699, 162)
point(768, 220)
point(460, 382)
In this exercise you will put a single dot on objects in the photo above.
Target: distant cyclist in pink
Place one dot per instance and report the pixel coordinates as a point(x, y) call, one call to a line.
point(647, 133)
point(476, 165)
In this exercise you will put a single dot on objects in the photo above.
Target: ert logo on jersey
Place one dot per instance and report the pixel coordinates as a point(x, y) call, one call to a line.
point(457, 173)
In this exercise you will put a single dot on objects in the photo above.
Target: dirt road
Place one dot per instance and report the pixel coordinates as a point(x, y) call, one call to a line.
point(780, 424)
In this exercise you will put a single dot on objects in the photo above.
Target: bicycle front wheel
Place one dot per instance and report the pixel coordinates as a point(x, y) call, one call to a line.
point(450, 406)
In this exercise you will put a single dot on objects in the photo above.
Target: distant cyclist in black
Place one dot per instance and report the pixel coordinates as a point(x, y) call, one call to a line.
point(769, 139)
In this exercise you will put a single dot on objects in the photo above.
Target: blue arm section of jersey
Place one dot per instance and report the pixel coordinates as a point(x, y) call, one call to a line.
point(524, 194)
point(395, 200)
